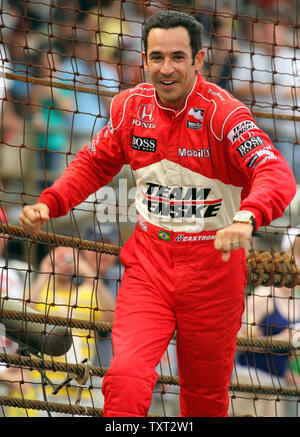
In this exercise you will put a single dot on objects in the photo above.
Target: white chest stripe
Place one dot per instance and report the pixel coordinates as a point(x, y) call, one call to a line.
point(180, 199)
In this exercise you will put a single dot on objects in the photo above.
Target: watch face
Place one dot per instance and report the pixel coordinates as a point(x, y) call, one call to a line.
point(243, 215)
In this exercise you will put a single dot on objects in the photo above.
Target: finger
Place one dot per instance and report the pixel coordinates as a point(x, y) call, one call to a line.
point(243, 240)
point(30, 226)
point(226, 255)
point(44, 216)
point(236, 244)
point(218, 243)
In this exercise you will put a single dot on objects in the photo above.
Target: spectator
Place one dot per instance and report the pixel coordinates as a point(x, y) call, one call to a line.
point(266, 77)
point(87, 68)
point(50, 108)
point(12, 288)
point(73, 292)
point(108, 269)
point(222, 49)
point(10, 282)
point(270, 314)
point(104, 265)
point(118, 40)
point(21, 42)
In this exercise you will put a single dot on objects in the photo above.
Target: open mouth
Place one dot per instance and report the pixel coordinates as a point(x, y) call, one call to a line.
point(167, 82)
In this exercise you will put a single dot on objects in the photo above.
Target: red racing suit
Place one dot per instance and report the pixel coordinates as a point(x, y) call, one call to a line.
point(195, 168)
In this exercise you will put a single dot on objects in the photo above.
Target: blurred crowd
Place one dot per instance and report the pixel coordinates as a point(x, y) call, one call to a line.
point(252, 50)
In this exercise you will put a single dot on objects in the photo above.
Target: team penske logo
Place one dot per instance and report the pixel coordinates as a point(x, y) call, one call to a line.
point(195, 118)
point(144, 117)
point(180, 202)
point(239, 129)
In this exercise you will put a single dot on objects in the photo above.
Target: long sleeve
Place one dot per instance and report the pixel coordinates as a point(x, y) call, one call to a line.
point(92, 168)
point(272, 185)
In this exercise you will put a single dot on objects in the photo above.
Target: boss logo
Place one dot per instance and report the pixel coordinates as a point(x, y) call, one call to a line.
point(250, 144)
point(144, 144)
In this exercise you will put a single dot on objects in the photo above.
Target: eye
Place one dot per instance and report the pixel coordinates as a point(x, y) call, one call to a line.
point(155, 58)
point(178, 57)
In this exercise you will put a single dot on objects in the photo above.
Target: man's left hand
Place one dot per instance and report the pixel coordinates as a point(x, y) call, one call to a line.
point(232, 237)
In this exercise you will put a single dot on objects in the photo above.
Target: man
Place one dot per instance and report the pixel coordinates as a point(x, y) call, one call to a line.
point(201, 163)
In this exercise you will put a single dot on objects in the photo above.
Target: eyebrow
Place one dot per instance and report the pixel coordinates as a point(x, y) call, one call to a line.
point(177, 52)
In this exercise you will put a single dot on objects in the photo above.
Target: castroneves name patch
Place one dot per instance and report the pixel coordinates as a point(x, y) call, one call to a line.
point(144, 144)
point(249, 144)
point(239, 129)
point(184, 238)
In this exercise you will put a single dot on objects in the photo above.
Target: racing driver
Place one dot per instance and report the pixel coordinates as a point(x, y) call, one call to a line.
point(207, 176)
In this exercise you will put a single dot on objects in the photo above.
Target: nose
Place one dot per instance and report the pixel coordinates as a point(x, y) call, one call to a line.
point(167, 67)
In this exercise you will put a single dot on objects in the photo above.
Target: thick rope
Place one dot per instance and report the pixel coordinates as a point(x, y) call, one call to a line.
point(61, 85)
point(277, 268)
point(265, 390)
point(79, 369)
point(59, 240)
point(105, 327)
point(264, 268)
point(101, 92)
point(76, 369)
point(75, 410)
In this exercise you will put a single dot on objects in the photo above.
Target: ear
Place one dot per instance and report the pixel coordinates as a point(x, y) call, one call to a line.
point(145, 61)
point(199, 59)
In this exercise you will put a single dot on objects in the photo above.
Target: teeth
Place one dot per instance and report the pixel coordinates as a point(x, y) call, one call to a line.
point(168, 83)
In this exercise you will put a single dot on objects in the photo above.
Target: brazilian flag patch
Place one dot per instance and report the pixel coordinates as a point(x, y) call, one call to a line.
point(163, 235)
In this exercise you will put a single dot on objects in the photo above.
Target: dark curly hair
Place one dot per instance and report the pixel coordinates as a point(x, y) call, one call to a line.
point(171, 19)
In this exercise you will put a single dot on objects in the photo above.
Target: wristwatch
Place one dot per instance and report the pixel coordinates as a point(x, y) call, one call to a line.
point(244, 217)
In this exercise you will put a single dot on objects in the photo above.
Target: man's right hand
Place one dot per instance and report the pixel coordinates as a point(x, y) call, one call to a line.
point(33, 217)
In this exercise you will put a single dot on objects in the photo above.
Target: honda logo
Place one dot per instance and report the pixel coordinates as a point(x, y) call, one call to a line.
point(145, 112)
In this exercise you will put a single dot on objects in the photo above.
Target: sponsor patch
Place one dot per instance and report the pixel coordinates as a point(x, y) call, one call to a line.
point(252, 161)
point(196, 153)
point(214, 93)
point(249, 144)
point(195, 118)
point(145, 113)
point(143, 225)
point(144, 144)
point(109, 126)
point(239, 129)
point(144, 117)
point(92, 147)
point(183, 238)
point(163, 235)
point(269, 155)
point(180, 202)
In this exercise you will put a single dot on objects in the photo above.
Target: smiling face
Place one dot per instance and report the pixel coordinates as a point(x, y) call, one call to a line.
point(170, 64)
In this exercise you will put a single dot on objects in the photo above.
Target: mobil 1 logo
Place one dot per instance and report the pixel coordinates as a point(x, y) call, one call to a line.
point(144, 144)
point(249, 144)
